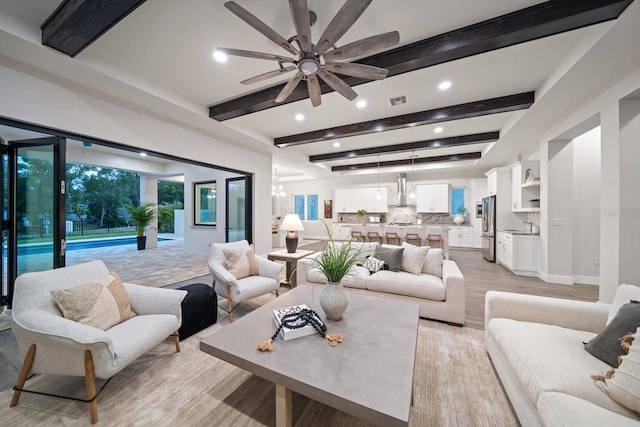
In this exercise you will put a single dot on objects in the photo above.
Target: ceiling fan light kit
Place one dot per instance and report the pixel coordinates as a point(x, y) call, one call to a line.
point(313, 61)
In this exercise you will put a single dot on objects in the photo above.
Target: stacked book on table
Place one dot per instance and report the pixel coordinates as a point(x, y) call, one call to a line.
point(289, 333)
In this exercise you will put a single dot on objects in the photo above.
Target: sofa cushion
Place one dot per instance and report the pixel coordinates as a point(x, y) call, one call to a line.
point(559, 409)
point(413, 257)
point(373, 264)
point(423, 286)
point(392, 257)
point(101, 303)
point(549, 358)
point(606, 345)
point(624, 294)
point(355, 278)
point(624, 386)
point(433, 262)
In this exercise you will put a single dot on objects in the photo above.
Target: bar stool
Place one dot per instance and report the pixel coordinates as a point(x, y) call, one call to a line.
point(391, 233)
point(373, 233)
point(412, 234)
point(356, 232)
point(434, 234)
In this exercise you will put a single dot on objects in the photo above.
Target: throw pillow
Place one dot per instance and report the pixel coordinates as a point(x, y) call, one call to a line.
point(413, 257)
point(101, 304)
point(623, 384)
point(433, 262)
point(240, 262)
point(624, 294)
point(606, 345)
point(373, 264)
point(392, 257)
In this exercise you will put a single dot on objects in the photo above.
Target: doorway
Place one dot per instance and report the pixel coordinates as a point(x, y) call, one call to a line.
point(238, 209)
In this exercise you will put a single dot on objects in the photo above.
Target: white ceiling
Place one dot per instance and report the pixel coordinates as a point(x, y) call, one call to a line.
point(164, 48)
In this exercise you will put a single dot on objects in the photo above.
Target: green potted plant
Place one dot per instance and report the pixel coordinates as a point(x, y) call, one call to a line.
point(335, 261)
point(361, 214)
point(142, 216)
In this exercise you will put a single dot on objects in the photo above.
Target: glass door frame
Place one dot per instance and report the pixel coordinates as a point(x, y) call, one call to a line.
point(59, 210)
point(248, 206)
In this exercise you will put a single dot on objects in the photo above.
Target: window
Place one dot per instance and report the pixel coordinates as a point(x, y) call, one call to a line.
point(457, 201)
point(306, 206)
point(204, 197)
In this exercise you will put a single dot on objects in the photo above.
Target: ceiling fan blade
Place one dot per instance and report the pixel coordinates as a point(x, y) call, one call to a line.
point(369, 45)
point(257, 24)
point(300, 15)
point(268, 75)
point(344, 19)
point(337, 84)
point(314, 90)
point(356, 70)
point(290, 86)
point(252, 54)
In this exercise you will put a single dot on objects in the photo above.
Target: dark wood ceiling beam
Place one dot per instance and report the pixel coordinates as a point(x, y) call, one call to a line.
point(454, 141)
point(408, 162)
point(484, 107)
point(532, 23)
point(75, 24)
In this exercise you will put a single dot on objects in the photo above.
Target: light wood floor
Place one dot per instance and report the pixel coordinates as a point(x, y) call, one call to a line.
point(481, 276)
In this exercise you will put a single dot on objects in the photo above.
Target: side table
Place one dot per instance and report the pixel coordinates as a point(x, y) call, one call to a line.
point(291, 260)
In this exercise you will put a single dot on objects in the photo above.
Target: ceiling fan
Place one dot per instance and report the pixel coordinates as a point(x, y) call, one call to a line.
point(318, 60)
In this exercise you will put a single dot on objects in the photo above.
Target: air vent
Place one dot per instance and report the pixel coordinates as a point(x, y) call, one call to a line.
point(399, 100)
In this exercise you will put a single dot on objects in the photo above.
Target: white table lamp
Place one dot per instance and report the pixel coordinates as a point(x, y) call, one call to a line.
point(292, 224)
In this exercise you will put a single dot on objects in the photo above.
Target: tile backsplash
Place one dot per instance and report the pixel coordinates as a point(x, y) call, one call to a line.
point(396, 214)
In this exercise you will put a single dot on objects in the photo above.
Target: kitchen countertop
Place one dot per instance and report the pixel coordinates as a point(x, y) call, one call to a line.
point(518, 232)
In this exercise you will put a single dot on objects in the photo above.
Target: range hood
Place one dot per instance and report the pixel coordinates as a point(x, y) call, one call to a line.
point(402, 190)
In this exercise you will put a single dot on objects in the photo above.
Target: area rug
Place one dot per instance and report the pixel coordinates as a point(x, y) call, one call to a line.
point(454, 385)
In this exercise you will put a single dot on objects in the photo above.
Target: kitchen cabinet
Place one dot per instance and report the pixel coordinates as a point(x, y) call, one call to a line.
point(432, 198)
point(461, 237)
point(492, 182)
point(340, 231)
point(523, 191)
point(518, 252)
point(351, 200)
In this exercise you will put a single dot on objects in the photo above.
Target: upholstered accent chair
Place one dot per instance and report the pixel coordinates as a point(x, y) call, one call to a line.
point(413, 234)
point(434, 236)
point(392, 234)
point(373, 233)
point(53, 344)
point(236, 290)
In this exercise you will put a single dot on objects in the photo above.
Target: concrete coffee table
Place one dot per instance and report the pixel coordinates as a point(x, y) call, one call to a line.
point(369, 375)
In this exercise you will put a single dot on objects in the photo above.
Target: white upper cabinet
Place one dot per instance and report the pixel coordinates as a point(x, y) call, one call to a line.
point(351, 200)
point(432, 198)
point(525, 187)
point(492, 183)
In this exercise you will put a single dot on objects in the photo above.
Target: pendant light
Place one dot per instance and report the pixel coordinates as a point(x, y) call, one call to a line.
point(412, 195)
point(277, 190)
point(378, 192)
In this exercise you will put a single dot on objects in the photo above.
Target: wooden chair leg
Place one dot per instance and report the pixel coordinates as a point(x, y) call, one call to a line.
point(229, 304)
point(176, 338)
point(90, 379)
point(24, 373)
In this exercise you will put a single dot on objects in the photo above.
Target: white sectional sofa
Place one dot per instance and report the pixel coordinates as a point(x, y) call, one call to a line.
point(438, 288)
point(536, 346)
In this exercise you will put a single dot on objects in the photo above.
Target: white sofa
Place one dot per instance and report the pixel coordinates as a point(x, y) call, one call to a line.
point(441, 296)
point(536, 346)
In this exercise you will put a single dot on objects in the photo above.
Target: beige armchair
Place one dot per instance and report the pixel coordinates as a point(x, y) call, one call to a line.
point(52, 344)
point(240, 290)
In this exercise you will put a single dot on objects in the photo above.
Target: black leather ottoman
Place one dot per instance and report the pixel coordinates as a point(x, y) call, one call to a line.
point(199, 309)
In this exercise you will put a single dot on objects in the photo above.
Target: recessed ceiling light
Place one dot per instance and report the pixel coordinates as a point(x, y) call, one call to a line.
point(444, 85)
point(361, 104)
point(143, 154)
point(438, 129)
point(299, 117)
point(219, 56)
point(336, 144)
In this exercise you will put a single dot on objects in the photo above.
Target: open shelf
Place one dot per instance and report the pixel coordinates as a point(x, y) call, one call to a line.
point(531, 184)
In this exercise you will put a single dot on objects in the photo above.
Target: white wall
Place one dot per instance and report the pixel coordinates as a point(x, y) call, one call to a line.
point(33, 99)
point(606, 106)
point(586, 207)
point(629, 212)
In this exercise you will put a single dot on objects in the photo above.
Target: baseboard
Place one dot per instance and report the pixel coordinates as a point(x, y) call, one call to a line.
point(551, 278)
point(586, 280)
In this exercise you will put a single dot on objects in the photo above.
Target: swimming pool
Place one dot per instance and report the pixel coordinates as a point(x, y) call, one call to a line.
point(75, 245)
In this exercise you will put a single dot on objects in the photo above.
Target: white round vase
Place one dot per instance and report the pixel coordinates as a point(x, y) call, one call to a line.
point(458, 219)
point(334, 300)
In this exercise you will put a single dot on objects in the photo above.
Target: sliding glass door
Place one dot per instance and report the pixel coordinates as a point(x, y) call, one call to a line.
point(238, 209)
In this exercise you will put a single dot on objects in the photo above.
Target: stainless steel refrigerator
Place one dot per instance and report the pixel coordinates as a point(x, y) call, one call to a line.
point(489, 228)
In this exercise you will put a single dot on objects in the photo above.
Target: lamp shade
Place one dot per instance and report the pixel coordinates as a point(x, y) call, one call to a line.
point(291, 222)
